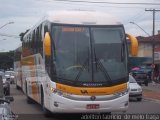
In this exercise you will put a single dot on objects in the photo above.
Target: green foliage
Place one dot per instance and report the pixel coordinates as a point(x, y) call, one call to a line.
point(6, 60)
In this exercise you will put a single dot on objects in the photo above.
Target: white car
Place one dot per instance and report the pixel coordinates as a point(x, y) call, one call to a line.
point(135, 90)
point(10, 76)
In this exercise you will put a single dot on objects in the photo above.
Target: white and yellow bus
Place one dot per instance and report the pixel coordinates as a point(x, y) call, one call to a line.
point(18, 67)
point(77, 62)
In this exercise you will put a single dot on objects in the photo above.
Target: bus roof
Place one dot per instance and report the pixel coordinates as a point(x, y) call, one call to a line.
point(82, 17)
point(78, 17)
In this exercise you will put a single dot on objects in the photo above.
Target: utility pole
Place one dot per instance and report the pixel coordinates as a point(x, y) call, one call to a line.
point(153, 44)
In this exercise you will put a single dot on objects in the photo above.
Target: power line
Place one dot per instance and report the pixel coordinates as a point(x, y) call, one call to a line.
point(91, 5)
point(7, 35)
point(108, 2)
point(136, 17)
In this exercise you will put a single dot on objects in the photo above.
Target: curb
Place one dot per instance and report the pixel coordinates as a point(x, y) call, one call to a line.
point(150, 97)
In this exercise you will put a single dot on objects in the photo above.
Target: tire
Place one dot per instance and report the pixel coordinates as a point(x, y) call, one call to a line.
point(11, 82)
point(17, 87)
point(139, 99)
point(29, 100)
point(46, 112)
point(8, 90)
point(146, 84)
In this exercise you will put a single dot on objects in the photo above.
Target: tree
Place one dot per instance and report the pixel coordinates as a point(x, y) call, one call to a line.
point(22, 34)
point(6, 60)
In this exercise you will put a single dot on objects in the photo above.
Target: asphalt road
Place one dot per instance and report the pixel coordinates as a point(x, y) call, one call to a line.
point(34, 111)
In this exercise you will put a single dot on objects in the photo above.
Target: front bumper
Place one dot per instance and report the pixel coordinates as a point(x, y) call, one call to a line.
point(135, 95)
point(63, 105)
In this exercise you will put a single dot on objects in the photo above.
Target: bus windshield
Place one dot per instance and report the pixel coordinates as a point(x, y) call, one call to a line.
point(89, 54)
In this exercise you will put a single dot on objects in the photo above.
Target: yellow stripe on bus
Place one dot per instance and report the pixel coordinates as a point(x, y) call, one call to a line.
point(93, 90)
point(30, 62)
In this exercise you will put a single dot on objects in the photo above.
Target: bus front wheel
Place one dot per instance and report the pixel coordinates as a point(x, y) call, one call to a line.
point(47, 113)
point(29, 100)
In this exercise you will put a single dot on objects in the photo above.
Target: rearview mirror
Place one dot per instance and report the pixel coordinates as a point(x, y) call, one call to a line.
point(134, 45)
point(47, 44)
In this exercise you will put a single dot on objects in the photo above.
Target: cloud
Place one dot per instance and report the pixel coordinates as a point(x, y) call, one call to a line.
point(26, 13)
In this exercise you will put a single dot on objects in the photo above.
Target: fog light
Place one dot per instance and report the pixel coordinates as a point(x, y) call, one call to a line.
point(56, 104)
point(126, 104)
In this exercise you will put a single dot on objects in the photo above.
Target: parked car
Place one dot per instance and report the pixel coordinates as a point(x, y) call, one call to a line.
point(6, 84)
point(10, 76)
point(135, 90)
point(142, 75)
point(1, 70)
point(5, 110)
point(1, 73)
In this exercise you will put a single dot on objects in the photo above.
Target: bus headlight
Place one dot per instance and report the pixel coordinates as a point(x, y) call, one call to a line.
point(59, 92)
point(53, 90)
point(122, 93)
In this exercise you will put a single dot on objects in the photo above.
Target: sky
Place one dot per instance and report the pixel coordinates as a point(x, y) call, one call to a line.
point(26, 13)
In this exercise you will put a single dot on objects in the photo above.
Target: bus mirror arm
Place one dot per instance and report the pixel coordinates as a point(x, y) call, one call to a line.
point(134, 45)
point(47, 44)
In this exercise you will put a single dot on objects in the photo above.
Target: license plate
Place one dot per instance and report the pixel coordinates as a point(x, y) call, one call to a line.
point(92, 106)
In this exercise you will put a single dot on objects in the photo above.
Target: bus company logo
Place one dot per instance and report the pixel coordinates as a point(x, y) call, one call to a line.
point(84, 91)
point(93, 98)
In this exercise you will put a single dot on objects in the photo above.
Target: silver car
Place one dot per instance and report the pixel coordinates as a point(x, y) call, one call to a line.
point(135, 90)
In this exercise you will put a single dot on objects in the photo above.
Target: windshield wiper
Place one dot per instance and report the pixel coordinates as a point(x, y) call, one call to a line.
point(101, 67)
point(81, 70)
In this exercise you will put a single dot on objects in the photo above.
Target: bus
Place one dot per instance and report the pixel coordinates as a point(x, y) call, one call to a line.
point(18, 67)
point(77, 62)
